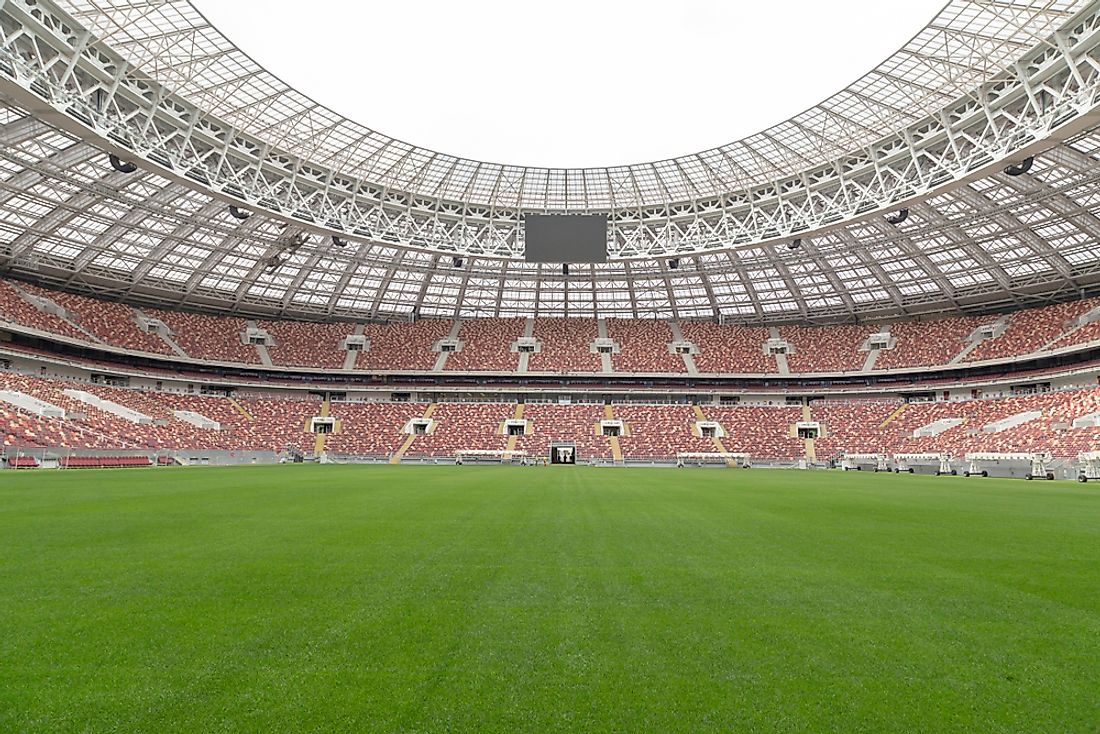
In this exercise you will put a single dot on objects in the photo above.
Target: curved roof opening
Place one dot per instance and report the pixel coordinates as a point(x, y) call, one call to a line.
point(575, 83)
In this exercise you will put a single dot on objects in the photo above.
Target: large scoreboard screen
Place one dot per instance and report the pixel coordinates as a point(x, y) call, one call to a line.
point(565, 238)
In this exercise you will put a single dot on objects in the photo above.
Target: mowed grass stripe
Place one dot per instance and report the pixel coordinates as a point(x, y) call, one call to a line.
point(545, 599)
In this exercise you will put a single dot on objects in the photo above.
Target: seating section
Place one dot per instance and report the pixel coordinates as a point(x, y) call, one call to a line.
point(1030, 330)
point(14, 308)
point(464, 426)
point(922, 343)
point(301, 344)
point(272, 424)
point(23, 462)
point(371, 429)
point(723, 349)
point(643, 346)
point(487, 345)
point(575, 422)
point(403, 345)
point(209, 338)
point(1090, 332)
point(856, 426)
point(759, 430)
point(565, 346)
point(826, 348)
point(278, 424)
point(112, 323)
point(566, 342)
point(659, 431)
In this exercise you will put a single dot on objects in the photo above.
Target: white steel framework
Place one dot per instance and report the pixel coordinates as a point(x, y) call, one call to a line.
point(790, 224)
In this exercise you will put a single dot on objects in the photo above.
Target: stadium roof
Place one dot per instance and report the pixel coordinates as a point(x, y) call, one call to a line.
point(790, 223)
point(966, 44)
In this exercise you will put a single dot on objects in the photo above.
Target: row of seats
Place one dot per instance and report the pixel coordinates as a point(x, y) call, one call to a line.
point(565, 343)
point(103, 462)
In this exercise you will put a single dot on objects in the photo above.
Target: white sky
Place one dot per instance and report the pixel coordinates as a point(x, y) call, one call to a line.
point(569, 83)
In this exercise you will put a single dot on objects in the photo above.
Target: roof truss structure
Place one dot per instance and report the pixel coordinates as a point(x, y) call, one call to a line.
point(930, 130)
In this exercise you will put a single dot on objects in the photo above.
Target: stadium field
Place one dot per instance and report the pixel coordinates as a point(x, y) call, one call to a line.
point(494, 599)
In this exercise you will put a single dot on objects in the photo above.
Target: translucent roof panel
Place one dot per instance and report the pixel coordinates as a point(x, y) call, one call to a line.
point(968, 42)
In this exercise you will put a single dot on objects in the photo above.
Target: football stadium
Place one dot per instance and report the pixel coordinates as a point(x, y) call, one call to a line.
point(310, 429)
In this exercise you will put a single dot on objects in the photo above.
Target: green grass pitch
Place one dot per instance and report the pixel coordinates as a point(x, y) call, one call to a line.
point(494, 599)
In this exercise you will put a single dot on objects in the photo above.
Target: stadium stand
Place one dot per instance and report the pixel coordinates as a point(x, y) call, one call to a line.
point(1089, 332)
point(301, 344)
point(760, 430)
point(565, 346)
point(924, 343)
point(856, 426)
point(15, 308)
point(487, 345)
point(643, 346)
point(402, 345)
point(659, 431)
point(206, 337)
point(371, 429)
point(1042, 421)
point(464, 426)
point(576, 423)
point(111, 323)
point(1030, 330)
point(724, 349)
point(825, 348)
point(565, 342)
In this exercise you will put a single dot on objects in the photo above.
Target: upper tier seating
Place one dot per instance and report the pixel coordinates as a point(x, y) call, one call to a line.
point(211, 338)
point(644, 346)
point(1090, 332)
point(1030, 330)
point(565, 342)
point(487, 345)
point(826, 348)
point(729, 348)
point(565, 346)
point(402, 345)
point(14, 308)
point(921, 343)
point(302, 344)
point(111, 323)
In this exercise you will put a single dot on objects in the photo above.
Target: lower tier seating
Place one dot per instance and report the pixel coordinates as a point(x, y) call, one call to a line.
point(1042, 422)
